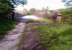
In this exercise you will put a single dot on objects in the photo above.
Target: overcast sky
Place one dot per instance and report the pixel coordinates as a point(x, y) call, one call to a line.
point(39, 4)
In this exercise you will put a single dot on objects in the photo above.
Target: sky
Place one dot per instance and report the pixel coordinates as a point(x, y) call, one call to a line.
point(39, 4)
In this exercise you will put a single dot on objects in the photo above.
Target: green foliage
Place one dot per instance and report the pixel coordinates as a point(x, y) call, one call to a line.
point(67, 12)
point(6, 25)
point(5, 8)
point(67, 15)
point(56, 37)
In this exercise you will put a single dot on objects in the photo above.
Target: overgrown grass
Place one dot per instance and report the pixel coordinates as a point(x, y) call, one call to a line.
point(6, 25)
point(56, 37)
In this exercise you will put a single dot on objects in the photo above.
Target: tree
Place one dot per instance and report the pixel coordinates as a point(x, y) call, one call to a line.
point(68, 3)
point(5, 8)
point(67, 14)
point(17, 2)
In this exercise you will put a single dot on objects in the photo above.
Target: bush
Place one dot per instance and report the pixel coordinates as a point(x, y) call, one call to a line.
point(56, 37)
point(5, 8)
point(67, 15)
point(6, 25)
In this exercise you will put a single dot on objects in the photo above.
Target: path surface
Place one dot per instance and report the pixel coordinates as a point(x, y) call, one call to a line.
point(12, 39)
point(15, 37)
point(31, 39)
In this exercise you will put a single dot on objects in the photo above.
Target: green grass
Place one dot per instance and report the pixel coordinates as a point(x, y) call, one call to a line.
point(6, 25)
point(56, 37)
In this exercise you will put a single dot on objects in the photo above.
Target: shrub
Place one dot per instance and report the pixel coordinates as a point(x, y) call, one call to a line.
point(56, 37)
point(6, 25)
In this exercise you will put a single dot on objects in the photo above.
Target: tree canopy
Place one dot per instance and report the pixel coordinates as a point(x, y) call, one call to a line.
point(17, 2)
point(68, 3)
point(5, 7)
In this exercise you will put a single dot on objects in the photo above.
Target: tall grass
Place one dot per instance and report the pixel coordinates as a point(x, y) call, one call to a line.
point(56, 37)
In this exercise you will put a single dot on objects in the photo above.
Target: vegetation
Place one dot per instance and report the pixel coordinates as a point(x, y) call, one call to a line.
point(17, 2)
point(5, 8)
point(5, 24)
point(67, 15)
point(68, 3)
point(7, 21)
point(56, 37)
point(52, 36)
